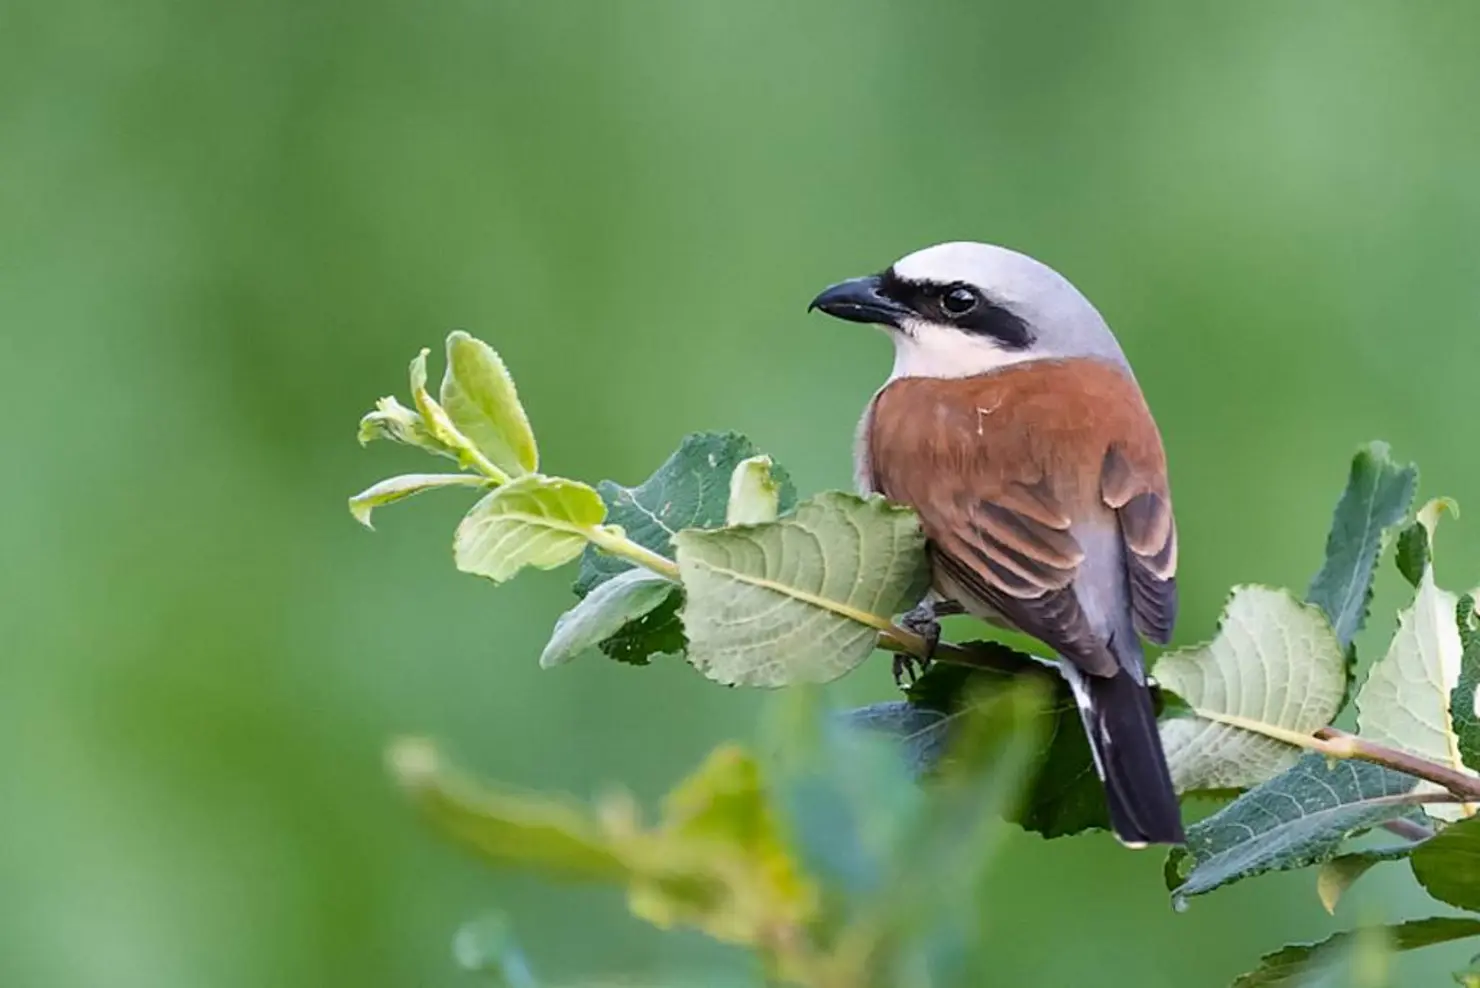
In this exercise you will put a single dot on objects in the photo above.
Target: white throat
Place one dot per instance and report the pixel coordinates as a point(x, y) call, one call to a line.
point(931, 350)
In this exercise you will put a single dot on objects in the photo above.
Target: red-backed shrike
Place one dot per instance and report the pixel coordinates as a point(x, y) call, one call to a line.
point(1014, 427)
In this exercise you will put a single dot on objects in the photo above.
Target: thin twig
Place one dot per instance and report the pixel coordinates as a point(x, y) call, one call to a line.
point(1340, 744)
point(1408, 830)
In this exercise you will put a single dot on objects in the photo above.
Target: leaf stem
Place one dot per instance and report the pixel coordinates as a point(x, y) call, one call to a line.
point(1340, 744)
point(609, 541)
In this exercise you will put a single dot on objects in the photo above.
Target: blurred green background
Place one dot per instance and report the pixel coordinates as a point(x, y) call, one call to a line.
point(224, 228)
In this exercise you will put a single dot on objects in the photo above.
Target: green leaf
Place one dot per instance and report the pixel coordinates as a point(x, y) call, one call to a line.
point(1470, 976)
point(803, 598)
point(533, 521)
point(1286, 968)
point(755, 493)
point(487, 946)
point(720, 822)
point(399, 488)
point(1274, 661)
point(930, 902)
point(604, 612)
point(481, 401)
point(1413, 553)
point(529, 832)
point(1294, 820)
point(394, 421)
point(1378, 493)
point(1405, 702)
point(659, 632)
point(1064, 795)
point(1464, 700)
point(1448, 865)
point(690, 490)
point(440, 426)
point(1341, 872)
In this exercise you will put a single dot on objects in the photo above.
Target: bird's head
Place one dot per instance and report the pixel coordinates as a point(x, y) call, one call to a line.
point(962, 309)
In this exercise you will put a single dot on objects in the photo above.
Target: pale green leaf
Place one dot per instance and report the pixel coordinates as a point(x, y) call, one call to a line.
point(394, 421)
point(755, 495)
point(511, 829)
point(1405, 702)
point(533, 521)
point(1295, 820)
point(479, 397)
point(399, 488)
point(1378, 493)
point(803, 598)
point(604, 612)
point(1274, 661)
point(723, 815)
point(440, 426)
point(1292, 965)
point(1339, 874)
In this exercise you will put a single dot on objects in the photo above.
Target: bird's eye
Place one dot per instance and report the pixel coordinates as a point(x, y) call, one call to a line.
point(959, 301)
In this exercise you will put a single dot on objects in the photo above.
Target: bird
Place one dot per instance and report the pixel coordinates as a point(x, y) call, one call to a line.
point(1012, 425)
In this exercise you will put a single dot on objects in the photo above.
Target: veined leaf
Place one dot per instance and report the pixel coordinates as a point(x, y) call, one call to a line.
point(1464, 700)
point(755, 495)
point(1287, 967)
point(619, 601)
point(1274, 661)
point(1378, 493)
point(801, 599)
point(1448, 865)
point(481, 401)
point(1294, 820)
point(690, 490)
point(439, 425)
point(1405, 702)
point(533, 521)
point(399, 488)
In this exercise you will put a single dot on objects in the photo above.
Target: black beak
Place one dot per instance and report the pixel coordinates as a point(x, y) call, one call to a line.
point(860, 300)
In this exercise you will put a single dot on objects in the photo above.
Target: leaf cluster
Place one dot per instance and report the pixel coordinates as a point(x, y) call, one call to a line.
point(714, 558)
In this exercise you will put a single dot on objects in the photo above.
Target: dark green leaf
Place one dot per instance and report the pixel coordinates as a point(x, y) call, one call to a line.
point(1296, 819)
point(690, 490)
point(1448, 865)
point(1377, 496)
point(1287, 967)
point(1064, 795)
point(1464, 701)
point(1413, 553)
point(659, 632)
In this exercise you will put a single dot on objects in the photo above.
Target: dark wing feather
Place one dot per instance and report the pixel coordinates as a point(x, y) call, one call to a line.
point(1150, 535)
point(1021, 564)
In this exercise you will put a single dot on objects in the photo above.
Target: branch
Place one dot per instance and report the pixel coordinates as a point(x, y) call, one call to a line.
point(1339, 744)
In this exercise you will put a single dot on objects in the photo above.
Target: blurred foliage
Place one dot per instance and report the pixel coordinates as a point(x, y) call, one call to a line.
point(225, 226)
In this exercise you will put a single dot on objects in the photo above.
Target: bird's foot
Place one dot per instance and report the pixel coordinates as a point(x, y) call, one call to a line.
point(922, 620)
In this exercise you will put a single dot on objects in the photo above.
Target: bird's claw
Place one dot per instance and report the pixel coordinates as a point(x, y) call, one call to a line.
point(922, 621)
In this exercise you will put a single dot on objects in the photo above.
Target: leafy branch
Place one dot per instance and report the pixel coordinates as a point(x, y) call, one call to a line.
point(715, 558)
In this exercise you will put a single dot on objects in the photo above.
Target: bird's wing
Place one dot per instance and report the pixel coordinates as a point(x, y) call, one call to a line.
point(1002, 474)
point(1138, 495)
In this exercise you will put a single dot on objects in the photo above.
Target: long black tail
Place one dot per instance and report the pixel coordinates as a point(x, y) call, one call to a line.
point(1121, 724)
